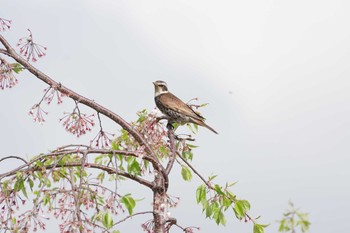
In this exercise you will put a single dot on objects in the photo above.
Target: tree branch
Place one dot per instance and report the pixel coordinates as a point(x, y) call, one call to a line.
point(195, 171)
point(87, 165)
point(76, 151)
point(130, 216)
point(172, 155)
point(206, 182)
point(83, 100)
point(13, 157)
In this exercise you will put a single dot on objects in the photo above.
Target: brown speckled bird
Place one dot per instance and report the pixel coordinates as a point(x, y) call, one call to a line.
point(174, 108)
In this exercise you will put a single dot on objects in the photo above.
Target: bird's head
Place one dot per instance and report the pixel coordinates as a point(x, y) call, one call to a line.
point(160, 87)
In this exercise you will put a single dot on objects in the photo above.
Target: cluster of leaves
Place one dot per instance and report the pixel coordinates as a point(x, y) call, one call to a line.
point(294, 219)
point(216, 200)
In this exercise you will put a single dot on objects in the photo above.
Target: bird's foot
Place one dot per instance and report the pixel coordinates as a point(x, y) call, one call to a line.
point(170, 126)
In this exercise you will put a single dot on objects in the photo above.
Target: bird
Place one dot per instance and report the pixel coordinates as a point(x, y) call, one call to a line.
point(174, 108)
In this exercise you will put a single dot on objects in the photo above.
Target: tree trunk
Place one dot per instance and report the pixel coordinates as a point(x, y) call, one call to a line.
point(159, 205)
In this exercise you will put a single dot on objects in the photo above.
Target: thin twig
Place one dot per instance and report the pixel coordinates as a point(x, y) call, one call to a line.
point(130, 216)
point(13, 157)
point(195, 171)
point(206, 182)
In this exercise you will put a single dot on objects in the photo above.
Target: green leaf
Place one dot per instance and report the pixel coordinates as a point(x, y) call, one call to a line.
point(133, 166)
point(230, 195)
point(219, 216)
point(5, 187)
point(186, 173)
point(24, 191)
point(217, 188)
point(231, 184)
point(163, 150)
point(46, 199)
point(98, 159)
point(258, 228)
point(187, 155)
point(208, 211)
point(226, 202)
point(210, 178)
point(201, 193)
point(107, 220)
point(16, 67)
point(101, 176)
point(191, 146)
point(129, 203)
point(240, 208)
point(193, 127)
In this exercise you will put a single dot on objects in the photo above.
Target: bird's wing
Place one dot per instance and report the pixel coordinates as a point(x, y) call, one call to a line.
point(171, 101)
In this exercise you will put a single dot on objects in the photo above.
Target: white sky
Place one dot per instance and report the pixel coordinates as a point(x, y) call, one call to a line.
point(276, 75)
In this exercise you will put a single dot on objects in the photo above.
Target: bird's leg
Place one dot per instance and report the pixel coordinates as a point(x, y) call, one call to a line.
point(162, 118)
point(184, 138)
point(170, 126)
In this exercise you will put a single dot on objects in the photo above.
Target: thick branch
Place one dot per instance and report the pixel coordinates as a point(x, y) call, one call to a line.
point(172, 155)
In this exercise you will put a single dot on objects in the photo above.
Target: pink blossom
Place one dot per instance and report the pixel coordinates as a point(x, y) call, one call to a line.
point(29, 49)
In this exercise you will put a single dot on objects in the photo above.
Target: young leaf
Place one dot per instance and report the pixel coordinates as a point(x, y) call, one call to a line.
point(240, 208)
point(133, 166)
point(219, 217)
point(186, 173)
point(107, 220)
point(16, 67)
point(258, 228)
point(129, 203)
point(208, 211)
point(212, 177)
point(201, 193)
point(218, 189)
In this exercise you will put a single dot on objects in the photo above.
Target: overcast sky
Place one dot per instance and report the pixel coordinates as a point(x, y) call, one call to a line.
point(276, 75)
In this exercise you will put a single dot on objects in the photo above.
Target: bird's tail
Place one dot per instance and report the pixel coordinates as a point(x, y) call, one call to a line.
point(201, 123)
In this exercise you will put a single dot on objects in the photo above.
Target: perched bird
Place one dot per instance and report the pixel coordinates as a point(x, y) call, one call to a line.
point(174, 108)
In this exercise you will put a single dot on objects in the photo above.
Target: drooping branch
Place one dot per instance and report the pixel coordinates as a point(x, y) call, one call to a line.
point(81, 99)
point(13, 157)
point(75, 151)
point(28, 166)
point(107, 169)
point(206, 182)
point(195, 171)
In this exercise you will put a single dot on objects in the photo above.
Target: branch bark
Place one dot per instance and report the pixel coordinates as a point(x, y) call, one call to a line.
point(172, 155)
